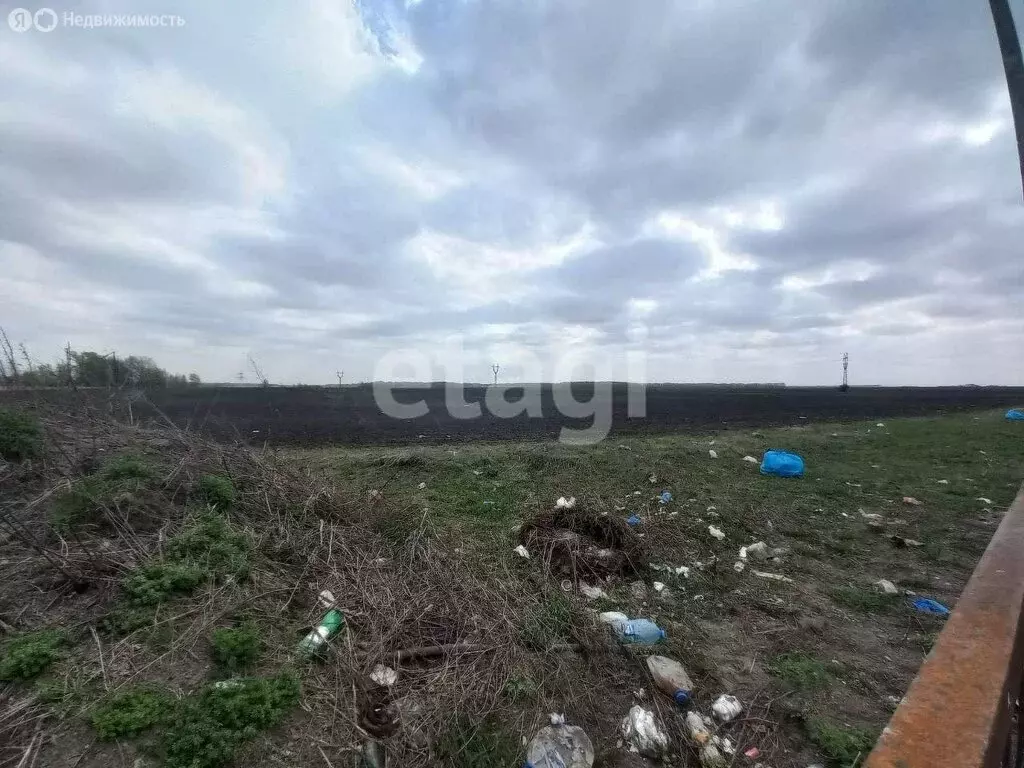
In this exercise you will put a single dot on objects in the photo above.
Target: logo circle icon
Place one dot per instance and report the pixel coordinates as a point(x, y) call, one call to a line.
point(20, 20)
point(45, 19)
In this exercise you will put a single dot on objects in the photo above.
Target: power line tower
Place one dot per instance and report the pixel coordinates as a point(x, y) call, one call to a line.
point(846, 372)
point(340, 375)
point(495, 368)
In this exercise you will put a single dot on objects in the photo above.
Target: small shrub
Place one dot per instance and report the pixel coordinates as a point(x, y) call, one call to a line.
point(207, 729)
point(131, 713)
point(843, 747)
point(217, 491)
point(800, 671)
point(236, 649)
point(479, 745)
point(87, 499)
point(82, 503)
point(30, 655)
point(158, 581)
point(211, 543)
point(21, 435)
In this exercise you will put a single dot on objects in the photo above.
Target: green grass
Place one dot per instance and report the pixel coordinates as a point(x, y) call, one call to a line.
point(21, 435)
point(113, 485)
point(479, 745)
point(206, 551)
point(236, 649)
point(217, 491)
point(843, 747)
point(834, 555)
point(132, 712)
point(29, 655)
point(128, 466)
point(520, 688)
point(801, 671)
point(550, 622)
point(203, 730)
point(864, 600)
point(208, 728)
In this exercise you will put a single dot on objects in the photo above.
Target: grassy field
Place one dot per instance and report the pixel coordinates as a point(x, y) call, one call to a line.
point(144, 568)
point(825, 658)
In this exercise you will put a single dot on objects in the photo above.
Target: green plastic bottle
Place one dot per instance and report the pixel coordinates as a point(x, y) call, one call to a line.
point(316, 641)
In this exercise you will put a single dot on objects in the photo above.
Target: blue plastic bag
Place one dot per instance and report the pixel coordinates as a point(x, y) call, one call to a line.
point(927, 605)
point(666, 497)
point(634, 520)
point(782, 464)
point(1015, 414)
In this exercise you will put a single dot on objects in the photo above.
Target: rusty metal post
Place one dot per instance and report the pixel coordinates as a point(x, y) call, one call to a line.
point(959, 709)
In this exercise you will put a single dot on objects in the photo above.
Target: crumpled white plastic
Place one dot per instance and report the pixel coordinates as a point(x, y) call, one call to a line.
point(641, 732)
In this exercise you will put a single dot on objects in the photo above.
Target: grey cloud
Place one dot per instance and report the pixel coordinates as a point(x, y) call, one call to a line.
point(526, 124)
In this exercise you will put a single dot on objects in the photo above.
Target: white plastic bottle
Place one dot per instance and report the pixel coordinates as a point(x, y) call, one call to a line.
point(671, 678)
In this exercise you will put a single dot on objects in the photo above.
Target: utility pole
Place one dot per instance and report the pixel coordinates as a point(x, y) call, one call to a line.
point(846, 372)
point(495, 368)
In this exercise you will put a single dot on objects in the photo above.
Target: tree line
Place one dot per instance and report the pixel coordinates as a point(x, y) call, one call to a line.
point(85, 369)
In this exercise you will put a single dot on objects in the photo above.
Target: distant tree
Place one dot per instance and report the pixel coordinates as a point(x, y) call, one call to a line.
point(86, 369)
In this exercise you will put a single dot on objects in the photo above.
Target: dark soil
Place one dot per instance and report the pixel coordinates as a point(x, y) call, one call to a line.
point(350, 415)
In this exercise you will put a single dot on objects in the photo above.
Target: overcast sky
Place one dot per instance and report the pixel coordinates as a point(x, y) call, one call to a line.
point(741, 191)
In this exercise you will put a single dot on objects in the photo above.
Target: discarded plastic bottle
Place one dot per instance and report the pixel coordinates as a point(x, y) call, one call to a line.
point(700, 737)
point(671, 678)
point(639, 632)
point(560, 745)
point(315, 641)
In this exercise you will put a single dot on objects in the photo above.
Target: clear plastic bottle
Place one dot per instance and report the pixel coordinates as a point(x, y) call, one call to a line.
point(560, 746)
point(671, 678)
point(639, 631)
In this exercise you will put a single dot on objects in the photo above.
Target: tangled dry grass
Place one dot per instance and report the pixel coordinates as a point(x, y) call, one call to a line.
point(476, 640)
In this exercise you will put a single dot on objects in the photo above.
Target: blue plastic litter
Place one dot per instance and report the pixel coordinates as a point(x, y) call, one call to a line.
point(927, 605)
point(634, 520)
point(1015, 414)
point(639, 632)
point(666, 497)
point(782, 464)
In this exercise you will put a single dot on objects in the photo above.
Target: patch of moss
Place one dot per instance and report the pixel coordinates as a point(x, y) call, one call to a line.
point(800, 671)
point(864, 600)
point(843, 747)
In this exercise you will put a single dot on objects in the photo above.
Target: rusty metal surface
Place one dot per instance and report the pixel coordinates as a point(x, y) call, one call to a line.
point(958, 711)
